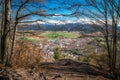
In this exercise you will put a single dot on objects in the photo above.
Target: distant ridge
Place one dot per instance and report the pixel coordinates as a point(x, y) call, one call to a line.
point(59, 27)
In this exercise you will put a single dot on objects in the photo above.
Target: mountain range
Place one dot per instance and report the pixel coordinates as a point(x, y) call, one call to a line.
point(62, 26)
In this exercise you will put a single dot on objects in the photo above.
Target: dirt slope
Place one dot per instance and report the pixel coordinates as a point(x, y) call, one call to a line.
point(64, 69)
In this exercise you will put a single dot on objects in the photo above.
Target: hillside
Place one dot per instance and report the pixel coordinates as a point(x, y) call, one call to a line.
point(64, 69)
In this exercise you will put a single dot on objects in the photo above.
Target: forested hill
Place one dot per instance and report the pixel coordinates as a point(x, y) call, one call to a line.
point(60, 27)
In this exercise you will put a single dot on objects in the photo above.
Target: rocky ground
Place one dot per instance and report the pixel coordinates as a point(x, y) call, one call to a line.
point(70, 47)
point(64, 69)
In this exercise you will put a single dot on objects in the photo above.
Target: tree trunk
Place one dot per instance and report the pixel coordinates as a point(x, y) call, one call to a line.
point(1, 29)
point(5, 39)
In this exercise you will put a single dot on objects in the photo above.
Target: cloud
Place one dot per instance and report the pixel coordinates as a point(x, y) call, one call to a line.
point(80, 20)
point(59, 22)
point(57, 16)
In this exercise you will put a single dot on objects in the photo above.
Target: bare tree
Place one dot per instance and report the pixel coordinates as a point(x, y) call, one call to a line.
point(105, 16)
point(8, 26)
point(19, 15)
point(20, 11)
point(5, 37)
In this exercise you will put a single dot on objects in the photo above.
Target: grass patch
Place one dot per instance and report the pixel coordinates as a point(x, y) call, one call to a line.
point(27, 39)
point(54, 35)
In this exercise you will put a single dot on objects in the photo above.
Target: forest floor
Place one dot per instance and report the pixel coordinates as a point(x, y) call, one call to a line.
point(64, 69)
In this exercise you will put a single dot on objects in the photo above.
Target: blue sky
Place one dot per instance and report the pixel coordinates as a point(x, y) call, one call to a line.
point(58, 7)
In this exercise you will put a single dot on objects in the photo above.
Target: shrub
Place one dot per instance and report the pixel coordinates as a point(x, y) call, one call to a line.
point(57, 53)
point(26, 54)
point(99, 59)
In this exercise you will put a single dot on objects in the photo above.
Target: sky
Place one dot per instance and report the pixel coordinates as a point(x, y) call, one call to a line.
point(58, 7)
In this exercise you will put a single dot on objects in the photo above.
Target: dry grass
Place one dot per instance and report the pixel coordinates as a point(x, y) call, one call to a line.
point(66, 69)
point(26, 54)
